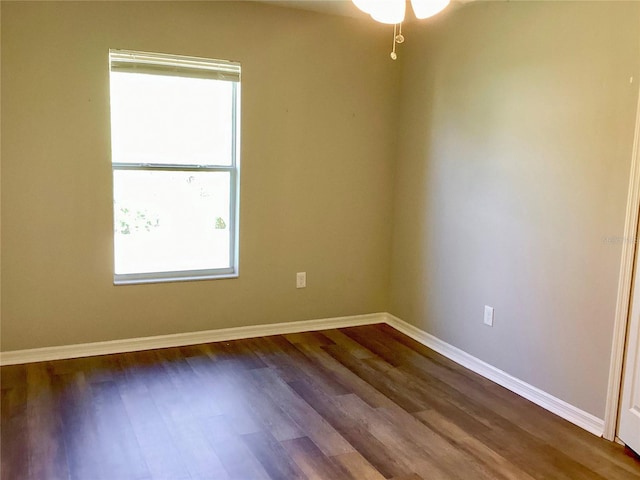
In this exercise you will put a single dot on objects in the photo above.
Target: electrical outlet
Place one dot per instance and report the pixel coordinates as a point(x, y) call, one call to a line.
point(488, 315)
point(301, 279)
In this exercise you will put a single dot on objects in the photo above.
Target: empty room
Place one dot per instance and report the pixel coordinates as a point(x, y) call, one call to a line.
point(338, 239)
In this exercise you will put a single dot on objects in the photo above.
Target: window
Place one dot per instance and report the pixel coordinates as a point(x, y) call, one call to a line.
point(174, 142)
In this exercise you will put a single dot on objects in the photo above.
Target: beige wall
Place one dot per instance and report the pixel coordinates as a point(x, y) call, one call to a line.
point(317, 157)
point(515, 146)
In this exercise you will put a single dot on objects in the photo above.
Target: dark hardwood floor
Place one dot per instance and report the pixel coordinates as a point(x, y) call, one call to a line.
point(359, 403)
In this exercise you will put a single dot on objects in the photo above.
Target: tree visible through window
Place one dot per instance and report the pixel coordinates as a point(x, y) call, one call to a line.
point(174, 140)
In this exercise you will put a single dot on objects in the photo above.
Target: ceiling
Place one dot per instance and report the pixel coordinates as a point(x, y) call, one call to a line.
point(334, 7)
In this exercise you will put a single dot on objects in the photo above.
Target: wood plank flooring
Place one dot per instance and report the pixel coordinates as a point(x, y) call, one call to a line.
point(364, 403)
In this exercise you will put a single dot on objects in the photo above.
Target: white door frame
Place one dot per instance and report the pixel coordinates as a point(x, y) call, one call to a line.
point(625, 280)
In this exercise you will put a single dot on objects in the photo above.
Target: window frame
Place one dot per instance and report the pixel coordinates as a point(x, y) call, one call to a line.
point(190, 67)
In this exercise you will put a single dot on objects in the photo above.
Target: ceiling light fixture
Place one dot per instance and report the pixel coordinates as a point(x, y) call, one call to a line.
point(392, 12)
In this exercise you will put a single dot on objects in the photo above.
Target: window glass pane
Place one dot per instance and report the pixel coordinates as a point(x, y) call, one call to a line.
point(171, 221)
point(171, 119)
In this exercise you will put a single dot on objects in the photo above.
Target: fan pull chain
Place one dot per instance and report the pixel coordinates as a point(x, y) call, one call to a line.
point(397, 38)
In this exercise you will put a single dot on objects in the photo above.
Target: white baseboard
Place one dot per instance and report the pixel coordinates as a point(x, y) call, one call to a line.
point(545, 400)
point(181, 339)
point(561, 408)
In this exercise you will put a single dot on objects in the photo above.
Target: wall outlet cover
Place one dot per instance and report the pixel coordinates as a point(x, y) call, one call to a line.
point(488, 315)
